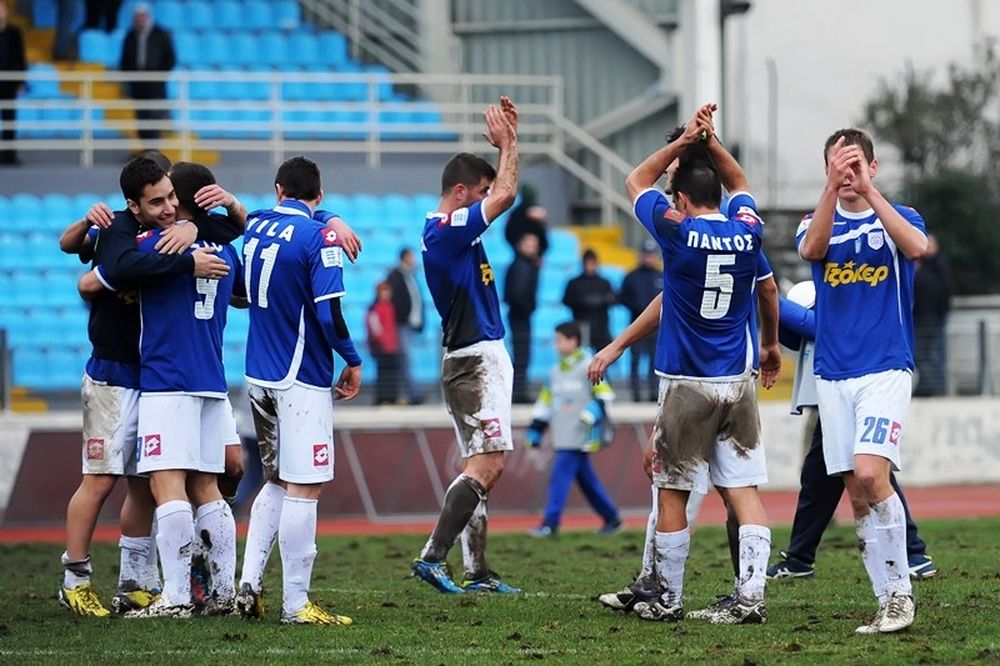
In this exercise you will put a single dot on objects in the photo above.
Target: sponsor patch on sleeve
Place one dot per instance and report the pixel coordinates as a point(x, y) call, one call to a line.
point(747, 215)
point(459, 218)
point(330, 237)
point(673, 215)
point(332, 257)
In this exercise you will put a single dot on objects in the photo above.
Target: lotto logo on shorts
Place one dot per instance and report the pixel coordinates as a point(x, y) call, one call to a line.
point(491, 428)
point(151, 445)
point(894, 431)
point(95, 449)
point(321, 455)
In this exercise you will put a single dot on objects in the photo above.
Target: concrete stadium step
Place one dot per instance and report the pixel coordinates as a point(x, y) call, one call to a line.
point(23, 402)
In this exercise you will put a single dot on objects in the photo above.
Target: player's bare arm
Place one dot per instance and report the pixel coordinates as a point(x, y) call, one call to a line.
point(207, 265)
point(838, 172)
point(89, 286)
point(770, 351)
point(910, 240)
point(349, 384)
point(644, 324)
point(212, 196)
point(501, 132)
point(74, 239)
point(653, 167)
point(350, 243)
point(177, 238)
point(733, 178)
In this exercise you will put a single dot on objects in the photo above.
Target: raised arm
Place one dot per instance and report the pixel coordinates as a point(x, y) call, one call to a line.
point(74, 239)
point(734, 179)
point(501, 132)
point(645, 324)
point(652, 168)
point(910, 240)
point(816, 242)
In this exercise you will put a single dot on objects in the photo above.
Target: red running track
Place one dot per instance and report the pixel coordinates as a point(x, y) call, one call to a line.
point(937, 502)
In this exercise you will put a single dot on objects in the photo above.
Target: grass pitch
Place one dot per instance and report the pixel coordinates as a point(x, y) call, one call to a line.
point(398, 620)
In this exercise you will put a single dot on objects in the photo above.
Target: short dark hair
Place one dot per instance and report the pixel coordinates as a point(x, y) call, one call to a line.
point(157, 157)
point(465, 169)
point(188, 178)
point(136, 175)
point(405, 251)
point(589, 255)
point(570, 329)
point(696, 152)
point(299, 178)
point(852, 137)
point(699, 181)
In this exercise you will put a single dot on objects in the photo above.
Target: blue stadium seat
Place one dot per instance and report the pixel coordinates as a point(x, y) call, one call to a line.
point(170, 15)
point(563, 245)
point(333, 48)
point(30, 367)
point(215, 48)
point(187, 46)
point(40, 84)
point(45, 14)
point(4, 211)
point(286, 14)
point(228, 15)
point(273, 49)
point(257, 15)
point(93, 46)
point(339, 204)
point(613, 274)
point(423, 204)
point(242, 49)
point(368, 208)
point(65, 369)
point(199, 16)
point(303, 48)
point(57, 211)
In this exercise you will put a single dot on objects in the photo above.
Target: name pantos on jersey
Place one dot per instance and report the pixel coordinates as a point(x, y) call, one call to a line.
point(720, 243)
point(836, 274)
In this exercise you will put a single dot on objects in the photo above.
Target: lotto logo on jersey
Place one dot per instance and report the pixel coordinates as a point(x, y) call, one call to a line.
point(835, 274)
point(491, 428)
point(95, 449)
point(330, 237)
point(321, 455)
point(747, 215)
point(152, 445)
point(674, 215)
point(894, 432)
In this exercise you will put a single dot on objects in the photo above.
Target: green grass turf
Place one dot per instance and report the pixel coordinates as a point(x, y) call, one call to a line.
point(399, 620)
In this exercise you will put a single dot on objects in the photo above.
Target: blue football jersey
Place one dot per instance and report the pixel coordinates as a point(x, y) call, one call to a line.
point(292, 265)
point(460, 277)
point(864, 297)
point(182, 319)
point(710, 269)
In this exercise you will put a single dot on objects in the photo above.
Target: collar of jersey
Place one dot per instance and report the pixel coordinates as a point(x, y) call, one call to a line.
point(716, 217)
point(854, 216)
point(292, 207)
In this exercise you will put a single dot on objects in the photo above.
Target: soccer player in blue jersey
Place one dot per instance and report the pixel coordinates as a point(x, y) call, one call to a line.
point(707, 422)
point(862, 249)
point(185, 419)
point(294, 283)
point(476, 372)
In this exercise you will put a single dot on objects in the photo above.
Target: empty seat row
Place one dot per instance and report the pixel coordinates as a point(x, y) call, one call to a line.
point(178, 15)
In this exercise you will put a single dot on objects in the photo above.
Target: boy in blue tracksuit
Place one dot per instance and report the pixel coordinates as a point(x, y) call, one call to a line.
point(575, 411)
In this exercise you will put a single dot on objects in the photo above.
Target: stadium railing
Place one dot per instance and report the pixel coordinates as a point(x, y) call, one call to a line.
point(293, 112)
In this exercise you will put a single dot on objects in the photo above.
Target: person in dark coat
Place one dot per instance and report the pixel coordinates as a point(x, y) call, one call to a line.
point(147, 48)
point(589, 297)
point(12, 59)
point(520, 293)
point(101, 15)
point(409, 306)
point(528, 218)
point(639, 288)
point(932, 287)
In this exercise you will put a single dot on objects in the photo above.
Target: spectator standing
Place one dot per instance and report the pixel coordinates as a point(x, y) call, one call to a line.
point(12, 59)
point(520, 293)
point(67, 26)
point(409, 307)
point(932, 287)
point(528, 218)
point(102, 15)
point(383, 341)
point(589, 297)
point(639, 288)
point(147, 48)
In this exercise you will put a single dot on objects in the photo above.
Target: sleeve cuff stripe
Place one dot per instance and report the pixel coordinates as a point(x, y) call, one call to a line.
point(327, 297)
point(107, 285)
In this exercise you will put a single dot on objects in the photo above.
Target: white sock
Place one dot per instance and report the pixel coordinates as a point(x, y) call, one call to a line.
point(890, 530)
point(134, 551)
point(693, 507)
point(175, 532)
point(671, 554)
point(150, 579)
point(216, 520)
point(647, 575)
point(755, 549)
point(297, 544)
point(265, 515)
point(871, 554)
point(75, 573)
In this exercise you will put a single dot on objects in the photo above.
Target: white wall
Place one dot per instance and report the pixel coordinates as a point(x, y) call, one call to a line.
point(830, 58)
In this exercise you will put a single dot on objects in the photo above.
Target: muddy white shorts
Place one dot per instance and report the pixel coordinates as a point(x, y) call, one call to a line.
point(863, 415)
point(110, 420)
point(184, 432)
point(478, 383)
point(707, 430)
point(294, 432)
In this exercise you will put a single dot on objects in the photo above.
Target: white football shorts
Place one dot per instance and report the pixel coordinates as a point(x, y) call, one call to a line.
point(707, 430)
point(478, 383)
point(186, 432)
point(294, 432)
point(863, 415)
point(110, 422)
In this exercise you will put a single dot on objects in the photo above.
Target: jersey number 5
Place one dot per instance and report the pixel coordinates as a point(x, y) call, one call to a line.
point(715, 304)
point(268, 255)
